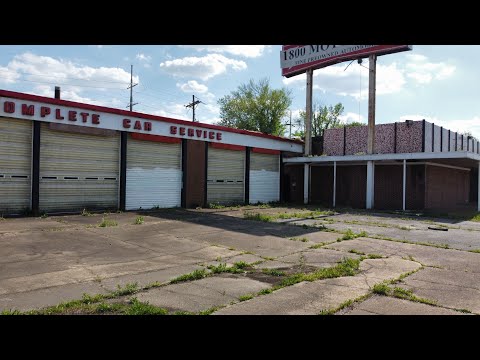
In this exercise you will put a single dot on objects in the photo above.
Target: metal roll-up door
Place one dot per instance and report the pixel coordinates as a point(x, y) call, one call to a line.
point(78, 171)
point(264, 178)
point(225, 176)
point(15, 165)
point(154, 175)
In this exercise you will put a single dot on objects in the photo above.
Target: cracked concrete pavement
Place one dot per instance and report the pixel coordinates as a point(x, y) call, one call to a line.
point(47, 261)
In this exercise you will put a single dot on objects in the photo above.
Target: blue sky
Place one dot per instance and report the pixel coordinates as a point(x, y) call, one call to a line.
point(438, 83)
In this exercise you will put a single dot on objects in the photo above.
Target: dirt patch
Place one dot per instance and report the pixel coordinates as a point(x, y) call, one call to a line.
point(260, 275)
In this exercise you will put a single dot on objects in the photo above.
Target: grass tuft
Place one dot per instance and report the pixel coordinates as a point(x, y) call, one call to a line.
point(374, 256)
point(139, 220)
point(130, 288)
point(245, 297)
point(210, 310)
point(107, 223)
point(348, 267)
point(265, 291)
point(317, 246)
point(143, 308)
point(258, 217)
point(195, 275)
point(381, 289)
point(85, 212)
point(353, 251)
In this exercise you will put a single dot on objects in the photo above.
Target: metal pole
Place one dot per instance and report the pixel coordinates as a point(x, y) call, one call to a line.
point(308, 114)
point(193, 107)
point(404, 207)
point(131, 87)
point(334, 183)
point(290, 124)
point(371, 103)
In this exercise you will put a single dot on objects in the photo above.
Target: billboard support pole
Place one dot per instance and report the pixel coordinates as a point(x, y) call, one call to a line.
point(308, 135)
point(372, 59)
point(371, 130)
point(308, 114)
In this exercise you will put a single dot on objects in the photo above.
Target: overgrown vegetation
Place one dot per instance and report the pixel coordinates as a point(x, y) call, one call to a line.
point(476, 218)
point(245, 297)
point(85, 212)
point(139, 220)
point(286, 215)
point(195, 275)
point(258, 217)
point(398, 292)
point(350, 235)
point(343, 305)
point(317, 246)
point(475, 251)
point(107, 223)
point(347, 267)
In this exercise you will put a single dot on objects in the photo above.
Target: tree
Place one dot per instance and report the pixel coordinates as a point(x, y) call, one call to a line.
point(255, 106)
point(469, 134)
point(323, 118)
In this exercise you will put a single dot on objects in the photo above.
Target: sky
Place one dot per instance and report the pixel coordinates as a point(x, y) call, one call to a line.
point(438, 83)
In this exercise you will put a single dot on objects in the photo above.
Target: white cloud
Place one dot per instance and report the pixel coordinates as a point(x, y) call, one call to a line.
point(203, 68)
point(423, 72)
point(8, 76)
point(143, 57)
point(349, 117)
point(71, 94)
point(249, 51)
point(390, 78)
point(343, 82)
point(193, 86)
point(47, 69)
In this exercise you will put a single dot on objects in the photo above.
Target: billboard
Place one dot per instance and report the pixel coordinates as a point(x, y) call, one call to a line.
point(296, 59)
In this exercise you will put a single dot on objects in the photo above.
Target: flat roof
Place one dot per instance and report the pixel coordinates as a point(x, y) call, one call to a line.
point(379, 157)
point(37, 98)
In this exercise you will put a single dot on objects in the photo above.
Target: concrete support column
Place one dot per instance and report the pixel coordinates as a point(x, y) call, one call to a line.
point(306, 182)
point(334, 183)
point(404, 185)
point(478, 193)
point(370, 184)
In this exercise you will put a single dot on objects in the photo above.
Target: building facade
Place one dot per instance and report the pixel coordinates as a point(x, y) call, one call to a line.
point(63, 156)
point(416, 165)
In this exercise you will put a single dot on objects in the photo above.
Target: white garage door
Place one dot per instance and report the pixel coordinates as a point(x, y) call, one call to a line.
point(264, 178)
point(78, 171)
point(154, 175)
point(225, 176)
point(15, 165)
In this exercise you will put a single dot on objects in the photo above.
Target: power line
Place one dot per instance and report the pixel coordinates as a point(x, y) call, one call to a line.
point(131, 89)
point(192, 105)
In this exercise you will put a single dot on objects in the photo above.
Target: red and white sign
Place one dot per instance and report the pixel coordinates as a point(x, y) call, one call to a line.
point(296, 59)
point(84, 115)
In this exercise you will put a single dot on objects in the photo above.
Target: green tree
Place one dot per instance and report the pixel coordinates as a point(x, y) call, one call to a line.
point(323, 117)
point(255, 106)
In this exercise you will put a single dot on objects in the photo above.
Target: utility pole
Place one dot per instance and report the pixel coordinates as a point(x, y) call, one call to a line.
point(192, 105)
point(131, 89)
point(290, 124)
